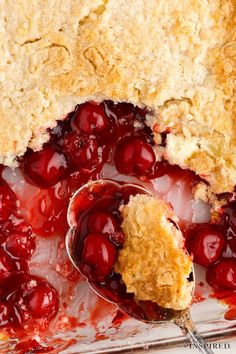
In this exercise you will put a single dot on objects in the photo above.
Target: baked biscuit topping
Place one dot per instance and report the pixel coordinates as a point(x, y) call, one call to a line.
point(176, 57)
point(153, 263)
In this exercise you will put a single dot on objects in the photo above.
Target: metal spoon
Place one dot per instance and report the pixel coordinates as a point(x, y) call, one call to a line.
point(181, 318)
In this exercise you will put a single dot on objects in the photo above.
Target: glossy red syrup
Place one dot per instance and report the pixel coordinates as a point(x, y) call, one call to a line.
point(34, 206)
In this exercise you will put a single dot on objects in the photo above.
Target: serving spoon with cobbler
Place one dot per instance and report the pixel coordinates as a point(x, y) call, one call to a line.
point(128, 245)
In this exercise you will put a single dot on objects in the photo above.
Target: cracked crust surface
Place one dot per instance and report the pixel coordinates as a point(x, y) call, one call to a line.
point(153, 263)
point(176, 57)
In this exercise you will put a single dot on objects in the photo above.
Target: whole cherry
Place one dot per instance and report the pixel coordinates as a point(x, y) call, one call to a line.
point(20, 245)
point(105, 223)
point(42, 301)
point(134, 156)
point(90, 118)
point(83, 151)
point(206, 244)
point(222, 275)
point(46, 167)
point(98, 257)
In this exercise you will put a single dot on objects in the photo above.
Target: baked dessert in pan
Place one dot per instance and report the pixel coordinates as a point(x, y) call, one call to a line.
point(142, 88)
point(177, 58)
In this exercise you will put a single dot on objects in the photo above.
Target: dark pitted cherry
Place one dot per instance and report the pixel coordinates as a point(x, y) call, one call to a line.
point(98, 257)
point(90, 118)
point(114, 289)
point(7, 265)
point(7, 202)
point(133, 156)
point(123, 112)
point(10, 288)
point(46, 167)
point(20, 245)
point(206, 244)
point(6, 313)
point(105, 223)
point(42, 301)
point(222, 275)
point(83, 150)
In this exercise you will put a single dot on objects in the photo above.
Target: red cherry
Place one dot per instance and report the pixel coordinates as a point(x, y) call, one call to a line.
point(11, 287)
point(230, 215)
point(5, 313)
point(105, 223)
point(98, 257)
point(91, 118)
point(20, 245)
point(222, 275)
point(7, 202)
point(124, 112)
point(133, 156)
point(42, 301)
point(48, 209)
point(7, 265)
point(82, 150)
point(114, 289)
point(206, 243)
point(46, 167)
point(228, 218)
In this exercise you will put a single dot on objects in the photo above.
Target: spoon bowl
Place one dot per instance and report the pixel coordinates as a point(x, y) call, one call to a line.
point(142, 310)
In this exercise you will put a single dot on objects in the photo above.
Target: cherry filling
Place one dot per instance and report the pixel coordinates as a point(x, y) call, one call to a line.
point(222, 275)
point(46, 167)
point(34, 206)
point(98, 256)
point(99, 234)
point(206, 243)
point(106, 224)
point(133, 156)
point(91, 118)
point(7, 202)
point(95, 245)
point(6, 313)
point(82, 151)
point(20, 245)
point(42, 301)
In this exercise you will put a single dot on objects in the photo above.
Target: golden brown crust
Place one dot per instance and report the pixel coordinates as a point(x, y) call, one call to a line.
point(153, 262)
point(177, 57)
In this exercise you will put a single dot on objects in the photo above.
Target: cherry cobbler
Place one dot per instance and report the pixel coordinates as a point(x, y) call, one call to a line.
point(139, 93)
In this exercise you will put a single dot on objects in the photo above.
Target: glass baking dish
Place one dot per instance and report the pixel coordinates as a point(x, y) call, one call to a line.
point(127, 334)
point(134, 335)
point(102, 328)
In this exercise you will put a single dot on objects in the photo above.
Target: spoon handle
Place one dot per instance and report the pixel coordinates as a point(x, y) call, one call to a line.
point(185, 323)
